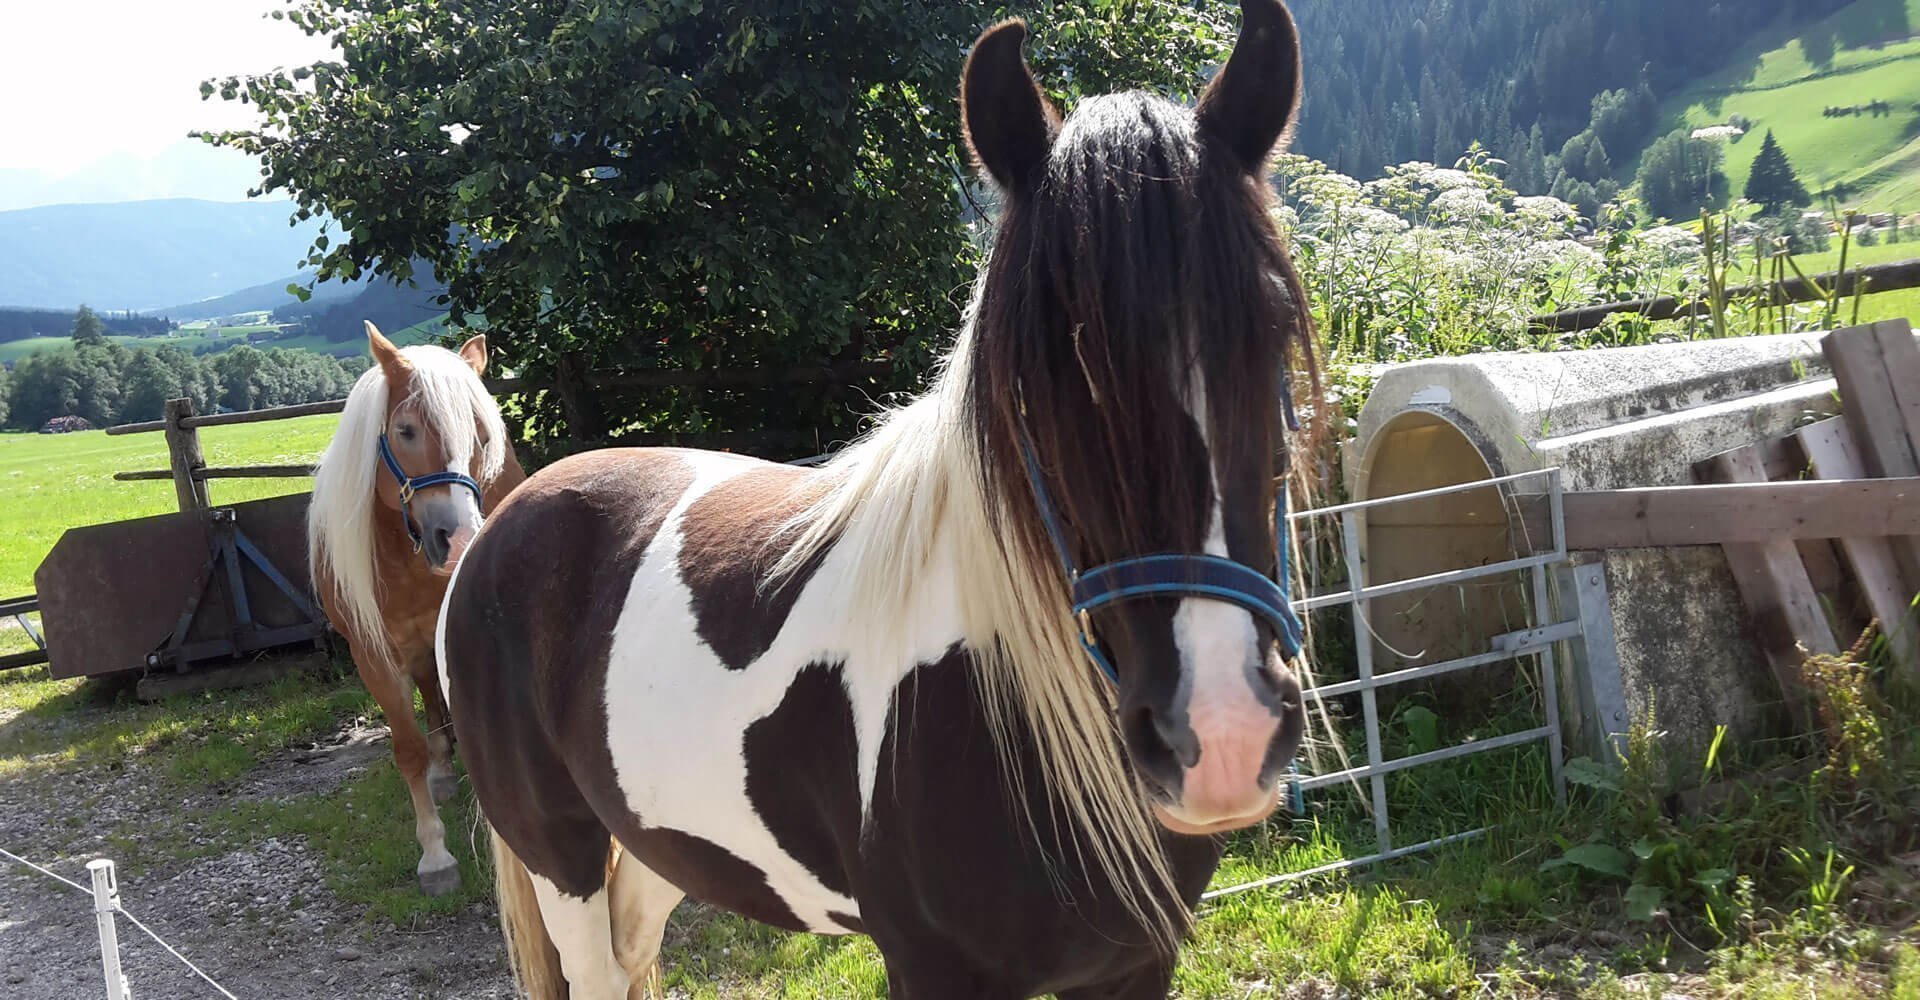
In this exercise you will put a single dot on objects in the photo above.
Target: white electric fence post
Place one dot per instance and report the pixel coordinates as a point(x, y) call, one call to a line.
point(106, 899)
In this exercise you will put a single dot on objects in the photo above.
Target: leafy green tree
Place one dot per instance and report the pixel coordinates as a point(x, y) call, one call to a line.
point(1772, 184)
point(681, 184)
point(88, 330)
point(150, 382)
point(6, 393)
point(45, 385)
point(1680, 174)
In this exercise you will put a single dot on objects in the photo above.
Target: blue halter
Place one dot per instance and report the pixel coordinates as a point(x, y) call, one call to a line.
point(1192, 575)
point(409, 485)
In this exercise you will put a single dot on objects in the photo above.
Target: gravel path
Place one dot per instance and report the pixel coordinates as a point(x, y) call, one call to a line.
point(260, 920)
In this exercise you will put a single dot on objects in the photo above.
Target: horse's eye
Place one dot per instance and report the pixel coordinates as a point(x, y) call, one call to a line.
point(406, 432)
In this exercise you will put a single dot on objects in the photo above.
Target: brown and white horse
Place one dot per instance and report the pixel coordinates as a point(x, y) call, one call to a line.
point(382, 553)
point(854, 699)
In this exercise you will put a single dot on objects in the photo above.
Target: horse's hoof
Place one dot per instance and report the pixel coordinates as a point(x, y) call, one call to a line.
point(442, 786)
point(441, 881)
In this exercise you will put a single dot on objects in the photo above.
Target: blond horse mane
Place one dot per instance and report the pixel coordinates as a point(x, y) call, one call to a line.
point(341, 524)
point(917, 476)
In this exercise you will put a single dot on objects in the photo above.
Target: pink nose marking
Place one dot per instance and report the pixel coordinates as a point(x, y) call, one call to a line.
point(1224, 784)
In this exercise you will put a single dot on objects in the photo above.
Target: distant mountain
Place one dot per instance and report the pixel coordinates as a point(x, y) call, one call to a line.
point(187, 169)
point(144, 255)
point(268, 296)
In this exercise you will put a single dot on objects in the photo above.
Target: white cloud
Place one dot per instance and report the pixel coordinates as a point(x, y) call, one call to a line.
point(81, 80)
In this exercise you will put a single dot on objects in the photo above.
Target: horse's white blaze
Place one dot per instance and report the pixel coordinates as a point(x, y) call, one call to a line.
point(1220, 650)
point(667, 690)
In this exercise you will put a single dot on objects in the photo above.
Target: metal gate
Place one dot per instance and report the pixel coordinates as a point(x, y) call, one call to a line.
point(1536, 641)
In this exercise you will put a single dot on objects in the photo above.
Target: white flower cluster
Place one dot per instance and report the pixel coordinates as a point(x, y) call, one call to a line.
point(1429, 260)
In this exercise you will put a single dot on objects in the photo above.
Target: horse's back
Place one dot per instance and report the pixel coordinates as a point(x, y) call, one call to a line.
point(532, 616)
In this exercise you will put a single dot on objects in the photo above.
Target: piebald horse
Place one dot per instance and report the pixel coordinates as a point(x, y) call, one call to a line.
point(875, 697)
point(419, 458)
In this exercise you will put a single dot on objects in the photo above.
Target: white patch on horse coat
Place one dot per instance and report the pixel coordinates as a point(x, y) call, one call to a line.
point(668, 691)
point(440, 628)
point(582, 932)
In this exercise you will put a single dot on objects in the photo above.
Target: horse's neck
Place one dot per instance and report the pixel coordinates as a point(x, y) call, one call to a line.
point(510, 477)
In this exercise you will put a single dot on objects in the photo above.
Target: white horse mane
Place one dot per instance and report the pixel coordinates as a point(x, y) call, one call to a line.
point(918, 475)
point(340, 519)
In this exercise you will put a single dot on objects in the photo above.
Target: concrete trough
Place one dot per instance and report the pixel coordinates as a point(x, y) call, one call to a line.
point(1609, 419)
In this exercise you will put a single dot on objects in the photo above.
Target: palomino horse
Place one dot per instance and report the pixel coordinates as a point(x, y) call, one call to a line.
point(419, 457)
point(856, 699)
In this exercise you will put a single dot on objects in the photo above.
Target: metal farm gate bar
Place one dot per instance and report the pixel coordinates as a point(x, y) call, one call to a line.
point(1537, 642)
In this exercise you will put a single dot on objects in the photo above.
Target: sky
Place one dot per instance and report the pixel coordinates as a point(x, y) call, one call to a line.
point(82, 81)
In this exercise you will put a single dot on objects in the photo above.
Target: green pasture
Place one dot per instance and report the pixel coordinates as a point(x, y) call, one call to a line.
point(1872, 53)
point(213, 339)
point(52, 482)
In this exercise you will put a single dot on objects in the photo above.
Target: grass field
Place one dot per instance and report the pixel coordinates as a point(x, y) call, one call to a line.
point(52, 482)
point(1865, 52)
point(203, 339)
point(215, 339)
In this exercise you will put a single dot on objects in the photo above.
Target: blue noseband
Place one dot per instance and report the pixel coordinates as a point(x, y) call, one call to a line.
point(1183, 574)
point(409, 485)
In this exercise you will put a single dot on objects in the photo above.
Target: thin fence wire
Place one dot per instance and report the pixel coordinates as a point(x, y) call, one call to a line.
point(135, 921)
point(122, 910)
point(50, 874)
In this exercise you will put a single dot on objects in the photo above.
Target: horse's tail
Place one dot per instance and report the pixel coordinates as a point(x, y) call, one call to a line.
point(530, 952)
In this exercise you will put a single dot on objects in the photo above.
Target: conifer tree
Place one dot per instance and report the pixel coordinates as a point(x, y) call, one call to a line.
point(1773, 185)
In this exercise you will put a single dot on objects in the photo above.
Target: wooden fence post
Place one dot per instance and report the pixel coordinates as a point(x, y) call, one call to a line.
point(183, 456)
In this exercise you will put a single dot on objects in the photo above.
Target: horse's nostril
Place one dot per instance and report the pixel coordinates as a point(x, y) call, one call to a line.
point(1162, 743)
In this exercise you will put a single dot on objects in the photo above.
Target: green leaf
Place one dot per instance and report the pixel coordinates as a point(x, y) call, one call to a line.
point(1643, 901)
point(1713, 878)
point(1602, 859)
point(1585, 771)
point(1423, 729)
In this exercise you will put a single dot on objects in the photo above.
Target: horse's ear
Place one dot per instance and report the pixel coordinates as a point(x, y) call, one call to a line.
point(474, 351)
point(388, 357)
point(1252, 101)
point(1009, 122)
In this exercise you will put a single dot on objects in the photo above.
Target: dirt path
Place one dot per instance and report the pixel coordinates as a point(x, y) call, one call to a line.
point(260, 919)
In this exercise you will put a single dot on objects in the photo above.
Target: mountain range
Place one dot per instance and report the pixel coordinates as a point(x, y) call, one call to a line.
point(146, 255)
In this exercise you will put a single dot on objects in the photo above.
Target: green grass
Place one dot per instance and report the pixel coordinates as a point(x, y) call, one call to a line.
point(52, 482)
point(204, 739)
point(1784, 89)
point(195, 339)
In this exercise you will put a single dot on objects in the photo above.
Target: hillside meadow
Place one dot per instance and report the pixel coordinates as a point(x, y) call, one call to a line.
point(1868, 51)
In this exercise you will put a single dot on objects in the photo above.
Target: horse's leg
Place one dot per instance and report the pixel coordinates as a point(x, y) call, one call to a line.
point(442, 783)
point(640, 901)
point(582, 933)
point(438, 872)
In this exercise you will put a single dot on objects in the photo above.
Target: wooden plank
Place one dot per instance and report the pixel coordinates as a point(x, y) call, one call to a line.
point(1788, 620)
point(183, 455)
point(224, 472)
point(1873, 412)
point(1900, 353)
point(1831, 452)
point(1660, 516)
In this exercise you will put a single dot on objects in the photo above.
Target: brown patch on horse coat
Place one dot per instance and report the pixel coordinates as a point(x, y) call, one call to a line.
point(527, 649)
point(725, 557)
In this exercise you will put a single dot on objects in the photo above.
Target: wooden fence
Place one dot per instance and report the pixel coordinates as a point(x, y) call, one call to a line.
point(1863, 280)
